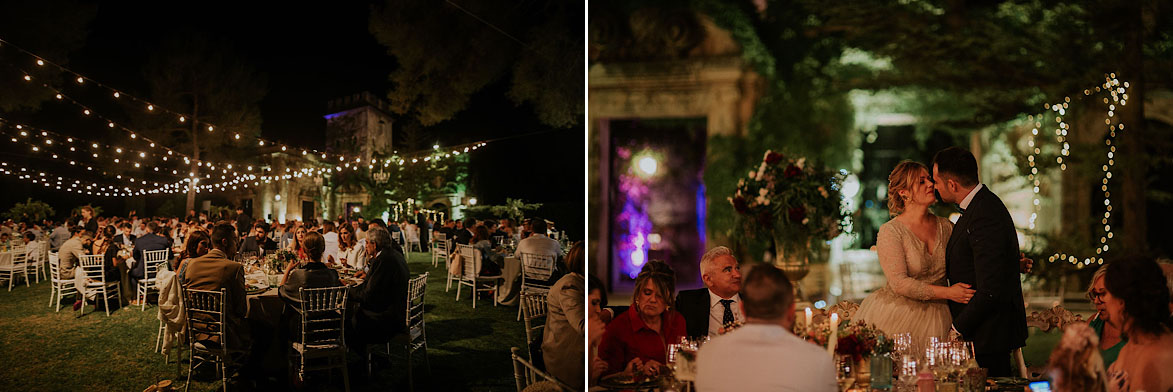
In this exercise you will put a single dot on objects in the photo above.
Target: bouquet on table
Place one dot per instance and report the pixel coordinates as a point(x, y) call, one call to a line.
point(276, 261)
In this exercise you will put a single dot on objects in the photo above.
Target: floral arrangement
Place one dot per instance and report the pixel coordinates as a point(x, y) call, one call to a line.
point(859, 339)
point(277, 260)
point(790, 199)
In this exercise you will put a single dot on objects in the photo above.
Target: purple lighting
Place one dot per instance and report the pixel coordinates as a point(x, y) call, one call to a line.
point(633, 224)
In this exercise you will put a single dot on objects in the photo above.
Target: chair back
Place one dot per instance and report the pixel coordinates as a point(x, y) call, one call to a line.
point(323, 316)
point(205, 315)
point(54, 266)
point(533, 307)
point(20, 257)
point(536, 270)
point(92, 266)
point(468, 258)
point(153, 258)
point(415, 310)
point(525, 374)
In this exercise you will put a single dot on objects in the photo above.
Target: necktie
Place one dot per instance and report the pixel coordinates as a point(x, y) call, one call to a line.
point(728, 317)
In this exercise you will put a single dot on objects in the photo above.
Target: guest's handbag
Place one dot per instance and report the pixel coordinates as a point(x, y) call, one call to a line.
point(455, 267)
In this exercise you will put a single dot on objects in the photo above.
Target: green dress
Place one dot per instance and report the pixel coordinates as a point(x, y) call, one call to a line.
point(1111, 353)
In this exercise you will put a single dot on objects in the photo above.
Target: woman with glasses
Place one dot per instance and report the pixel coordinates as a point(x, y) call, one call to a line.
point(1111, 337)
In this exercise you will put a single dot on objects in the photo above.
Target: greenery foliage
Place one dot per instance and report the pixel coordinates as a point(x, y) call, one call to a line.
point(472, 45)
point(795, 202)
point(515, 209)
point(30, 211)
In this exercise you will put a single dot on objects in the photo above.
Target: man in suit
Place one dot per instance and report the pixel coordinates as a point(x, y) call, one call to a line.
point(125, 239)
point(707, 310)
point(982, 252)
point(382, 297)
point(147, 242)
point(214, 271)
point(464, 234)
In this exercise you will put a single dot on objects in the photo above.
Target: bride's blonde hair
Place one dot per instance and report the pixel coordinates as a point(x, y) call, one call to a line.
point(901, 178)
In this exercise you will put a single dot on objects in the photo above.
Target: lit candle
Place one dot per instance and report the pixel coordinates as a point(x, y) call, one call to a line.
point(808, 321)
point(834, 334)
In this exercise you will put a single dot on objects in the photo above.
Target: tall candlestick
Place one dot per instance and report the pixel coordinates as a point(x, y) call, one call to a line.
point(808, 322)
point(834, 334)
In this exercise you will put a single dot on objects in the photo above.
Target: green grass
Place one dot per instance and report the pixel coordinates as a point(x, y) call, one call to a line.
point(41, 350)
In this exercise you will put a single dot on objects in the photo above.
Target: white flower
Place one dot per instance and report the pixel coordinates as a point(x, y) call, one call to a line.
point(800, 163)
point(805, 220)
point(823, 192)
point(740, 182)
point(762, 200)
point(751, 173)
point(762, 192)
point(761, 171)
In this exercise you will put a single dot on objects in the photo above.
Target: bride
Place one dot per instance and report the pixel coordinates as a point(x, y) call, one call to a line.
point(912, 253)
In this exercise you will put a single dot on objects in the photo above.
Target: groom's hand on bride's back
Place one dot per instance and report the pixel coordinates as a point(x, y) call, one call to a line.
point(1025, 264)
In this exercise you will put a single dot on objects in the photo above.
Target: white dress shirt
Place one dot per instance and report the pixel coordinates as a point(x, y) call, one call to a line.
point(717, 311)
point(539, 244)
point(762, 357)
point(356, 256)
point(969, 198)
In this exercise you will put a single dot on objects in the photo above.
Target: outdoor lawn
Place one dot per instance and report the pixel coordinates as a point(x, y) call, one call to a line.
point(46, 351)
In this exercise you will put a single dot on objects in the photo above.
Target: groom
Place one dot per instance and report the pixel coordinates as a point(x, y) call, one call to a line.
point(982, 252)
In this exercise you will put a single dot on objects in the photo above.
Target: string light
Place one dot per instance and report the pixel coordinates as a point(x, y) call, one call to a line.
point(1117, 92)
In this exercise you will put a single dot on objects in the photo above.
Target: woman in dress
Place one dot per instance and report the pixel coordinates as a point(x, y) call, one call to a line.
point(912, 254)
point(352, 251)
point(197, 244)
point(1111, 337)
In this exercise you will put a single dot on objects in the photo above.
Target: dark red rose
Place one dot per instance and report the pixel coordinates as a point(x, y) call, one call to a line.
point(797, 214)
point(740, 205)
point(792, 171)
point(849, 345)
point(765, 220)
point(773, 157)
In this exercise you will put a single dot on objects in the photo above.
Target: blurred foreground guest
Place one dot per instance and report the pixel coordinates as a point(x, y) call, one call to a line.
point(565, 322)
point(1109, 337)
point(214, 271)
point(1138, 301)
point(636, 341)
point(763, 355)
point(1075, 363)
point(382, 296)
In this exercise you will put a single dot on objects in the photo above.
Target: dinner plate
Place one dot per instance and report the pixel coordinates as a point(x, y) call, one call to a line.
point(625, 381)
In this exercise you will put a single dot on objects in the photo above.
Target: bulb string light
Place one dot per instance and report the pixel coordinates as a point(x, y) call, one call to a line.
point(1117, 92)
point(64, 183)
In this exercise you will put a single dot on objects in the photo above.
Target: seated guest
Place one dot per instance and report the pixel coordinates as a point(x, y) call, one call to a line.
point(352, 251)
point(597, 297)
point(330, 236)
point(490, 260)
point(708, 309)
point(59, 235)
point(539, 243)
point(197, 244)
point(309, 273)
point(763, 355)
point(298, 238)
point(105, 245)
point(636, 341)
point(565, 322)
point(124, 237)
point(1110, 337)
point(382, 296)
point(1075, 363)
point(69, 257)
point(464, 234)
point(1137, 301)
point(214, 271)
point(32, 246)
point(258, 243)
point(149, 241)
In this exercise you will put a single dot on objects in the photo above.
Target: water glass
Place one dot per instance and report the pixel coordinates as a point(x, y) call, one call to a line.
point(844, 371)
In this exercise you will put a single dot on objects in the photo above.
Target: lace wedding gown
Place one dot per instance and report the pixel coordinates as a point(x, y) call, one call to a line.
point(903, 305)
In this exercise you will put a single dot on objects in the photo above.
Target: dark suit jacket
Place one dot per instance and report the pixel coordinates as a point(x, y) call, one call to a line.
point(147, 242)
point(983, 252)
point(694, 305)
point(119, 239)
point(382, 297)
point(214, 271)
point(463, 236)
point(250, 244)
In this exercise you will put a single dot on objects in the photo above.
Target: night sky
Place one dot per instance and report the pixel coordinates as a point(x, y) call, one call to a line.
point(309, 56)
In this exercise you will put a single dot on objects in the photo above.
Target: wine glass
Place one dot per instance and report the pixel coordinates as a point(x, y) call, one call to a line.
point(844, 371)
point(907, 375)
